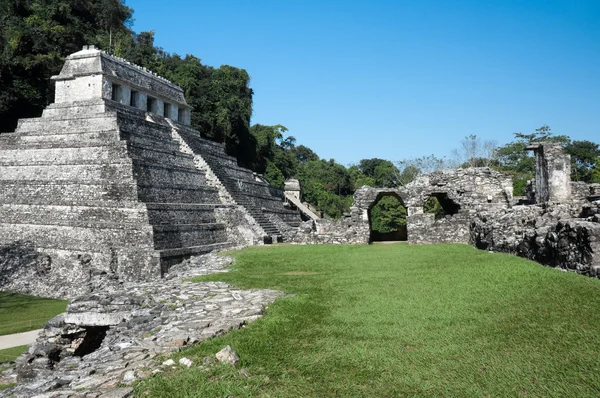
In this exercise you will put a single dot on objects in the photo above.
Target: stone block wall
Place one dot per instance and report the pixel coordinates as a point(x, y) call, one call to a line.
point(551, 235)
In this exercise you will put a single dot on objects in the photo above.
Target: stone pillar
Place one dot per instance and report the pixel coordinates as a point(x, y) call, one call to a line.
point(160, 107)
point(552, 173)
point(124, 95)
point(142, 101)
point(292, 186)
point(173, 113)
point(187, 117)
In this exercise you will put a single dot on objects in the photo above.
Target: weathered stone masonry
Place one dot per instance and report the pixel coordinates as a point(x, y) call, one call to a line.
point(558, 224)
point(112, 179)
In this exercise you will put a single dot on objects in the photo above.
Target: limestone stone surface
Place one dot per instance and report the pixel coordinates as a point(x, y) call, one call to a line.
point(112, 180)
point(92, 359)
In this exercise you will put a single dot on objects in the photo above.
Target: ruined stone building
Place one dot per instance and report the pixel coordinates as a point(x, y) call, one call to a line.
point(558, 224)
point(111, 178)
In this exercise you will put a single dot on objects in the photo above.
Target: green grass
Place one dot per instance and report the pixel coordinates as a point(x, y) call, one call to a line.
point(10, 354)
point(399, 320)
point(21, 313)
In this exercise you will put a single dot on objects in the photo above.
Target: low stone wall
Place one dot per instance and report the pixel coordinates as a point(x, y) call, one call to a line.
point(424, 228)
point(348, 230)
point(547, 234)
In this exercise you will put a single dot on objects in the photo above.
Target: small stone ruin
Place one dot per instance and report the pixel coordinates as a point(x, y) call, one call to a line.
point(557, 224)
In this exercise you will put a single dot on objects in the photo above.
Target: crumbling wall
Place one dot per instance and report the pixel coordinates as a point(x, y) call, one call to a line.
point(462, 191)
point(550, 235)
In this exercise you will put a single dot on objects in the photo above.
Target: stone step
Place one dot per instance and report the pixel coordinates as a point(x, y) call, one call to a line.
point(149, 141)
point(66, 172)
point(67, 140)
point(189, 134)
point(115, 153)
point(164, 156)
point(148, 173)
point(94, 193)
point(70, 215)
point(135, 126)
point(177, 236)
point(155, 214)
point(91, 237)
point(169, 257)
point(177, 194)
point(74, 109)
point(178, 213)
point(107, 121)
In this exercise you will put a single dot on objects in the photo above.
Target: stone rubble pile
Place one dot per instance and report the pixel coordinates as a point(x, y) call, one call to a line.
point(559, 235)
point(109, 339)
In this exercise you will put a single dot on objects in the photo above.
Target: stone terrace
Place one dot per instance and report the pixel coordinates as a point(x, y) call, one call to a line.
point(111, 178)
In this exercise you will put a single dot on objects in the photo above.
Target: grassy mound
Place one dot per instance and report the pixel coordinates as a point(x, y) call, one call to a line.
point(398, 320)
point(21, 313)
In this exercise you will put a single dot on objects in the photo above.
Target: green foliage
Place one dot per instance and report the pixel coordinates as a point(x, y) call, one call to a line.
point(433, 206)
point(35, 37)
point(274, 155)
point(401, 321)
point(304, 154)
point(585, 159)
point(359, 179)
point(274, 176)
point(388, 215)
point(20, 313)
point(326, 184)
point(382, 172)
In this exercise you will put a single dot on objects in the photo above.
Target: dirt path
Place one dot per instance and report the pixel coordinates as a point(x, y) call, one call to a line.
point(17, 339)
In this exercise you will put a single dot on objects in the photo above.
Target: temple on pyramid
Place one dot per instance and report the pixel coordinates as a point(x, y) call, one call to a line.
point(112, 177)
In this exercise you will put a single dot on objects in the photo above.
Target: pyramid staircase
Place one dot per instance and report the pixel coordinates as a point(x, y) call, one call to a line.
point(241, 184)
point(86, 178)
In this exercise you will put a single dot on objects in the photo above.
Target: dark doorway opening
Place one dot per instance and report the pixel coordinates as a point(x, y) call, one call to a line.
point(94, 335)
point(441, 206)
point(387, 219)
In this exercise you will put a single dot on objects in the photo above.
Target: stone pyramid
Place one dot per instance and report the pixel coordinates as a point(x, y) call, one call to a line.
point(98, 182)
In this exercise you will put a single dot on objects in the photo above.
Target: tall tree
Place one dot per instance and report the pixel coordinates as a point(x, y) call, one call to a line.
point(383, 172)
point(475, 152)
point(35, 38)
point(326, 184)
point(585, 160)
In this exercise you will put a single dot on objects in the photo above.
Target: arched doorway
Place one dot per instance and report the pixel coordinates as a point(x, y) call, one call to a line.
point(387, 218)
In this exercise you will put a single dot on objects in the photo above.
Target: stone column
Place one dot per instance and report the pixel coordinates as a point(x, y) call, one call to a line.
point(124, 95)
point(173, 111)
point(160, 107)
point(552, 173)
point(142, 101)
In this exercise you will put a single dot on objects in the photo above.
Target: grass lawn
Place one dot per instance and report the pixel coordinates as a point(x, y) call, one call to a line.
point(10, 354)
point(21, 313)
point(398, 320)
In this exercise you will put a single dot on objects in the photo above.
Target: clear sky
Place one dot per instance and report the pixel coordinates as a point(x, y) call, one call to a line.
point(398, 79)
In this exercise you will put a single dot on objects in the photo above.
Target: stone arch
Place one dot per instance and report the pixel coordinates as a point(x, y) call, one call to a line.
point(401, 233)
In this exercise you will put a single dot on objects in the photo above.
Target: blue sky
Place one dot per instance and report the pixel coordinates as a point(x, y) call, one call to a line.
point(393, 79)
